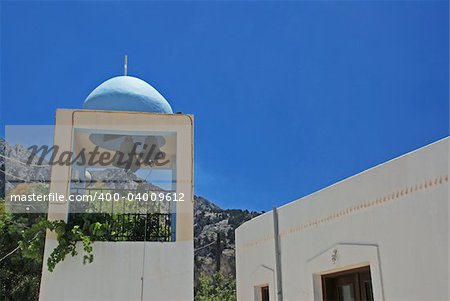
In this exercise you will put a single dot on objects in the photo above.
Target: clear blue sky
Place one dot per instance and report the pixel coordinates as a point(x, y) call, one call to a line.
point(288, 97)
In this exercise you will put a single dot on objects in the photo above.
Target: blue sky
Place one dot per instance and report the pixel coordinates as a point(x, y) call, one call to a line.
point(288, 97)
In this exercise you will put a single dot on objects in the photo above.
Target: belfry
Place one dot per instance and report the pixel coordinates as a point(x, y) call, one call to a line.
point(145, 207)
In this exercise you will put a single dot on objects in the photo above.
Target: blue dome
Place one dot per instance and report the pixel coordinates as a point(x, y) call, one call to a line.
point(127, 93)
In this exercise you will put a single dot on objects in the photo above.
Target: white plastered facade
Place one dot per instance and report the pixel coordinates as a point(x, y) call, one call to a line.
point(393, 218)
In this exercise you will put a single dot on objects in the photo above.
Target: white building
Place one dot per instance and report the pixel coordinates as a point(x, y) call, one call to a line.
point(156, 262)
point(382, 234)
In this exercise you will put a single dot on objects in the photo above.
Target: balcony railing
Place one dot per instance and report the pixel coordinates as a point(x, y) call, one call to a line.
point(122, 219)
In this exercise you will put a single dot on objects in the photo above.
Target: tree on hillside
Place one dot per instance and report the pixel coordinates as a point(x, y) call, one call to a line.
point(217, 288)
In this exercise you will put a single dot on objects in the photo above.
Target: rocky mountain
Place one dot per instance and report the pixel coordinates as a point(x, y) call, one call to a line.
point(214, 227)
point(16, 170)
point(214, 237)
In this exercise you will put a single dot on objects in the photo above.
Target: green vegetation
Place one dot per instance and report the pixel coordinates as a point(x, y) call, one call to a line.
point(22, 238)
point(19, 275)
point(217, 288)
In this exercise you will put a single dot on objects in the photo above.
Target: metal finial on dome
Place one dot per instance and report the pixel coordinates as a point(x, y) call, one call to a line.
point(125, 66)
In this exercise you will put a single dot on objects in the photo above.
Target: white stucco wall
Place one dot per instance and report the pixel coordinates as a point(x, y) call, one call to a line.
point(167, 268)
point(115, 273)
point(394, 217)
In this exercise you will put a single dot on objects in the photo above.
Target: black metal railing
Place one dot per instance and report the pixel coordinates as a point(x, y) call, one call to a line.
point(123, 220)
point(126, 226)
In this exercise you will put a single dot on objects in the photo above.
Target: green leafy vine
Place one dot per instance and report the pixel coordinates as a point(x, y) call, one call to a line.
point(67, 236)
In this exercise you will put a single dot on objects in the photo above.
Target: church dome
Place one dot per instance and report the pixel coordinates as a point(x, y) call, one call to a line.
point(127, 93)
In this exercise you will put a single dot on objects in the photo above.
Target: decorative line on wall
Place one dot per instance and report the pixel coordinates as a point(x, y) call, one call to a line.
point(355, 208)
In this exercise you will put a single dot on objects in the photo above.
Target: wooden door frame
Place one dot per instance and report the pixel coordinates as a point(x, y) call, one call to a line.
point(356, 272)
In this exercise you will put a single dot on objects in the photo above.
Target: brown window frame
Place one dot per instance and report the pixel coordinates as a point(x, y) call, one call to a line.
point(264, 290)
point(358, 276)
